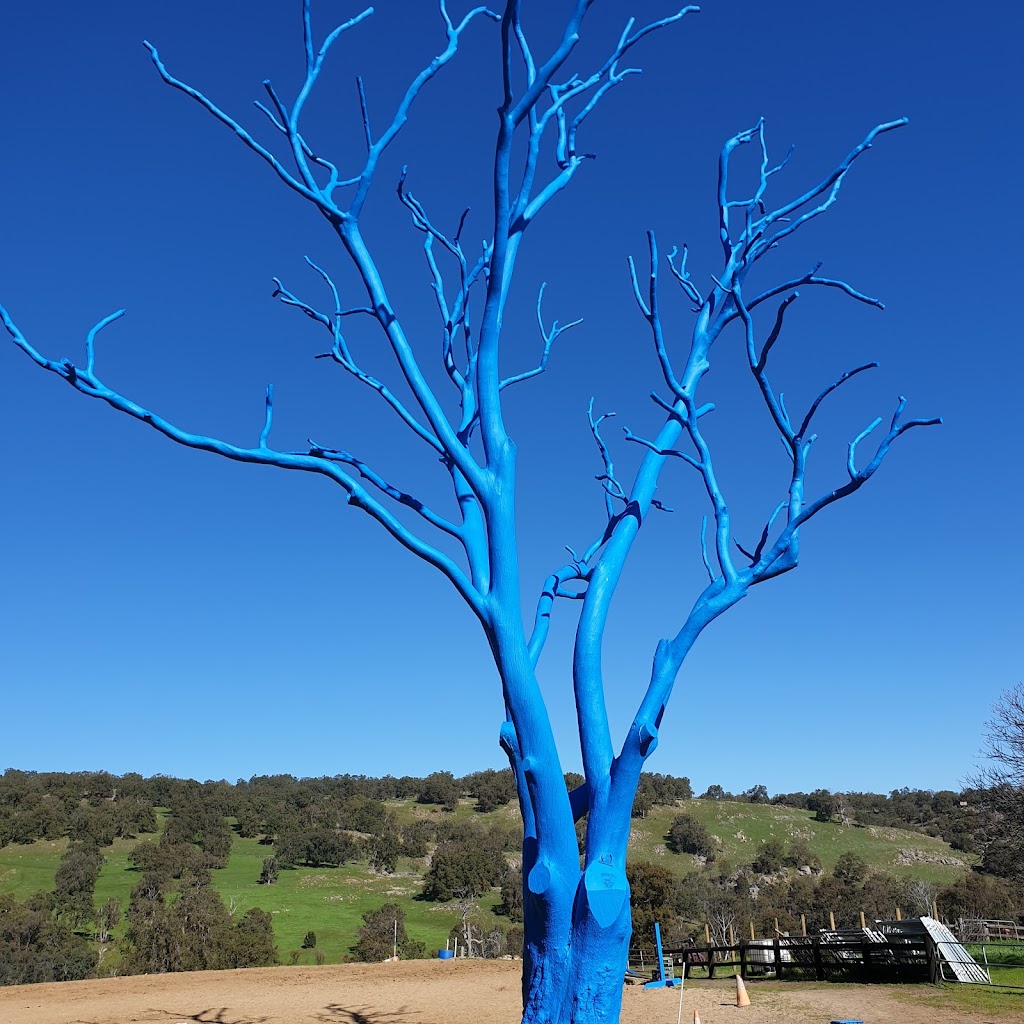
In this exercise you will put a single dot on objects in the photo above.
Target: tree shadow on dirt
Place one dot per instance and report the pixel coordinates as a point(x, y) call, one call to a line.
point(210, 1016)
point(335, 1013)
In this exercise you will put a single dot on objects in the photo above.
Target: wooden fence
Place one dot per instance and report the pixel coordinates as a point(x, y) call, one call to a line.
point(806, 957)
point(980, 930)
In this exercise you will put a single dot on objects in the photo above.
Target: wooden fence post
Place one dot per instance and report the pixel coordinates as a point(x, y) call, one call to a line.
point(862, 922)
point(831, 920)
point(778, 955)
point(707, 935)
point(752, 935)
point(819, 967)
point(743, 959)
point(803, 926)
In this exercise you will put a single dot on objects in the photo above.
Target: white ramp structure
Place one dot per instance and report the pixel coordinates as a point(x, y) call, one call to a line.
point(964, 967)
point(952, 954)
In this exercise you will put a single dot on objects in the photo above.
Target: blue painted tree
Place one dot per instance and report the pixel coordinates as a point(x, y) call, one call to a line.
point(577, 910)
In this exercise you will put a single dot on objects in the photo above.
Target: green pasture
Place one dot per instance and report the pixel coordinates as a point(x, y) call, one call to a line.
point(1005, 962)
point(743, 827)
point(329, 901)
point(30, 868)
point(117, 876)
point(979, 1002)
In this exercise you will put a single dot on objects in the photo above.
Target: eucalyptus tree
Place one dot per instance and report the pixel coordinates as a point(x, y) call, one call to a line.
point(576, 909)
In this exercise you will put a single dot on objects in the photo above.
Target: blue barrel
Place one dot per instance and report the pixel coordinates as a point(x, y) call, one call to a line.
point(445, 954)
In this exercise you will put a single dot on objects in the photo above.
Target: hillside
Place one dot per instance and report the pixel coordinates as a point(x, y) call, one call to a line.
point(740, 827)
point(330, 901)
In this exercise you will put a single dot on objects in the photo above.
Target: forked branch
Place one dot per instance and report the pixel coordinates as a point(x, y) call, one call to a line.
point(762, 229)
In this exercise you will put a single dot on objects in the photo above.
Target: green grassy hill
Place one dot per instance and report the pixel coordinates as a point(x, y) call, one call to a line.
point(742, 827)
point(330, 901)
point(28, 869)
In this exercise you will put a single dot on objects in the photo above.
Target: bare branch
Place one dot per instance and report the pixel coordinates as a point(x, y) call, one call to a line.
point(401, 115)
point(402, 497)
point(761, 361)
point(343, 357)
point(851, 457)
point(367, 135)
point(1005, 737)
point(549, 336)
point(829, 187)
point(90, 339)
point(669, 452)
point(712, 575)
point(552, 589)
point(313, 195)
point(757, 365)
point(268, 419)
point(857, 478)
point(681, 274)
point(637, 294)
point(611, 486)
point(88, 384)
point(811, 278)
point(724, 206)
point(832, 387)
point(767, 530)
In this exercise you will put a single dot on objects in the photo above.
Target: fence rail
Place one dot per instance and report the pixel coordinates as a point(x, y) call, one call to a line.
point(829, 958)
point(979, 930)
point(1002, 963)
point(812, 957)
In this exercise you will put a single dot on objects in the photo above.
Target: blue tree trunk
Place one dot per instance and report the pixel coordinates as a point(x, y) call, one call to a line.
point(574, 966)
point(577, 922)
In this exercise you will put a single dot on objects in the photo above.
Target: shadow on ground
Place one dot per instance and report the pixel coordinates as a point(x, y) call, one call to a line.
point(335, 1013)
point(210, 1016)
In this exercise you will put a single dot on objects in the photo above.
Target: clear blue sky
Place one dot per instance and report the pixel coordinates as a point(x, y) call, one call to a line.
point(165, 611)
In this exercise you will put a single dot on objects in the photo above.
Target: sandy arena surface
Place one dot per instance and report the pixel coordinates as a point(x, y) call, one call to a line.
point(426, 992)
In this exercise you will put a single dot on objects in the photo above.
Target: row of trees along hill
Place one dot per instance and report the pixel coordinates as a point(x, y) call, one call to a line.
point(318, 822)
point(80, 805)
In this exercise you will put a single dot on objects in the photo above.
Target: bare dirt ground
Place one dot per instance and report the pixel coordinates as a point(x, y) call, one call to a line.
point(433, 992)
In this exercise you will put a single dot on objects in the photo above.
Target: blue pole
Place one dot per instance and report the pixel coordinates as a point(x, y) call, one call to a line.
point(663, 980)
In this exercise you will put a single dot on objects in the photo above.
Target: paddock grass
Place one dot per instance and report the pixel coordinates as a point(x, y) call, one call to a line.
point(980, 1001)
point(330, 901)
point(1004, 961)
point(29, 868)
point(741, 828)
point(117, 876)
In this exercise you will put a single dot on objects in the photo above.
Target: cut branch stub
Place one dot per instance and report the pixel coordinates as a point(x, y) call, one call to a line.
point(607, 891)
